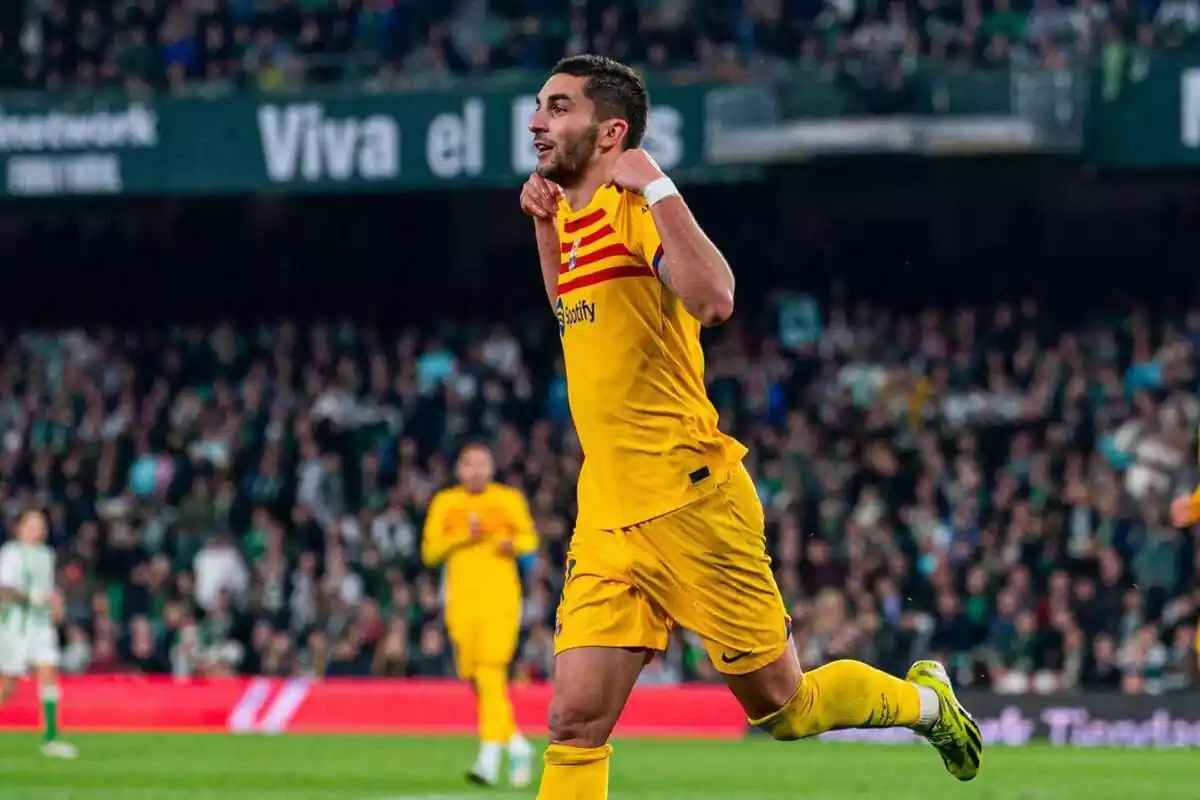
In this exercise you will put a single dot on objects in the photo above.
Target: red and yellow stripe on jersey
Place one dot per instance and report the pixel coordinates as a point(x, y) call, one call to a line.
point(635, 370)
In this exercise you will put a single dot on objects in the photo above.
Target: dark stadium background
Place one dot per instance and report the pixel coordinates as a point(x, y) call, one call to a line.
point(911, 232)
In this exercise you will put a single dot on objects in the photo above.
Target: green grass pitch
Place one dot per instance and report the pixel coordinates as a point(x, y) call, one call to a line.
point(178, 767)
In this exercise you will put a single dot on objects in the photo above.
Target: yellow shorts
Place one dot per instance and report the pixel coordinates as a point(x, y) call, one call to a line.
point(703, 567)
point(482, 639)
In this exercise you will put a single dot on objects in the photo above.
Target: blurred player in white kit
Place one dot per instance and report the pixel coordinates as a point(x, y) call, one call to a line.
point(30, 609)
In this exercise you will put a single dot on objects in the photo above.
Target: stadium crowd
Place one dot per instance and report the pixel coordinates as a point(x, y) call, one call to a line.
point(220, 45)
point(977, 485)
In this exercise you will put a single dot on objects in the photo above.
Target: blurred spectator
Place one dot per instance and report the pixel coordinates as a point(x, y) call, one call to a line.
point(878, 47)
point(220, 573)
point(983, 485)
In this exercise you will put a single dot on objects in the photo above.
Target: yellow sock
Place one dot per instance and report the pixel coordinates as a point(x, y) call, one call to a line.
point(844, 694)
point(575, 773)
point(496, 723)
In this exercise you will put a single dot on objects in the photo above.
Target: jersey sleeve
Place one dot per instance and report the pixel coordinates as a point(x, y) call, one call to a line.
point(436, 541)
point(10, 568)
point(525, 541)
point(647, 244)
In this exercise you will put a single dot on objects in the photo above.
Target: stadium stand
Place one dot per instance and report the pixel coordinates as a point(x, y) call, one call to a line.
point(250, 500)
point(214, 46)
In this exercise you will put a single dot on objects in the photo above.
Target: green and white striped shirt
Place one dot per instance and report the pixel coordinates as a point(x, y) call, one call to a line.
point(28, 568)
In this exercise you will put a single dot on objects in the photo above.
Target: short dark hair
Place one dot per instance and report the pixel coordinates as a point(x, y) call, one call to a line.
point(617, 91)
point(473, 443)
point(26, 512)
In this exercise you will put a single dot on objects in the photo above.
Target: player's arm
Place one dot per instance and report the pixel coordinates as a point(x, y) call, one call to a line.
point(437, 541)
point(10, 578)
point(686, 260)
point(539, 199)
point(549, 256)
point(525, 542)
point(690, 265)
point(55, 600)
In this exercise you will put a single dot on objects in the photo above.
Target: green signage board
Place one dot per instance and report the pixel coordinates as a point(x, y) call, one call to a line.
point(352, 141)
point(1153, 122)
point(318, 143)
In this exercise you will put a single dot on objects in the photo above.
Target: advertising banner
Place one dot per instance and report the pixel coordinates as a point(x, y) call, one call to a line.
point(354, 141)
point(367, 705)
point(132, 704)
point(1070, 720)
point(434, 707)
point(1153, 122)
point(341, 142)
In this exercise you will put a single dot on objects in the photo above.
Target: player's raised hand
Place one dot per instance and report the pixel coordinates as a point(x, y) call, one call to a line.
point(474, 527)
point(635, 170)
point(539, 198)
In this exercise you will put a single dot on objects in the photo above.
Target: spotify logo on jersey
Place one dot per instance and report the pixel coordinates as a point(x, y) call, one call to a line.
point(571, 315)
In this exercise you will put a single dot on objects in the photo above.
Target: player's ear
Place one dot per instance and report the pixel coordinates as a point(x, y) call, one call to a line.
point(615, 132)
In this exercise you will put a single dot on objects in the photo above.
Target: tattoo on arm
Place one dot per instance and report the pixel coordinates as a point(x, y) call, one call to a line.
point(664, 274)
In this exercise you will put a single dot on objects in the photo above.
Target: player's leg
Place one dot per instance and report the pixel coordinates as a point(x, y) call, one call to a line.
point(790, 704)
point(591, 685)
point(520, 751)
point(851, 694)
point(498, 729)
point(496, 726)
point(50, 695)
point(733, 603)
point(496, 643)
point(14, 663)
point(464, 635)
point(605, 632)
point(44, 653)
point(503, 725)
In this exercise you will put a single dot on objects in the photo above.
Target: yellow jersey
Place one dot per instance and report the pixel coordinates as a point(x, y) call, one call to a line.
point(1195, 516)
point(479, 574)
point(635, 369)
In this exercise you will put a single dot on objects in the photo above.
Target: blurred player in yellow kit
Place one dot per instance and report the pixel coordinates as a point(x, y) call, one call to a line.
point(481, 530)
point(1185, 512)
point(670, 528)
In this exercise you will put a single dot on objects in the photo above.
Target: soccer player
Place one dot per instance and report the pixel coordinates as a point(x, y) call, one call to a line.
point(670, 530)
point(30, 609)
point(482, 531)
point(1185, 512)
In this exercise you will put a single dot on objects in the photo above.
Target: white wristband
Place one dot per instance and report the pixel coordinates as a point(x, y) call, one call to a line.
point(659, 189)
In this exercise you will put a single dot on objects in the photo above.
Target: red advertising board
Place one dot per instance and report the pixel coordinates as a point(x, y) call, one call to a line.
point(353, 705)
